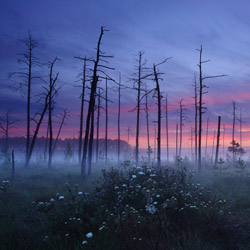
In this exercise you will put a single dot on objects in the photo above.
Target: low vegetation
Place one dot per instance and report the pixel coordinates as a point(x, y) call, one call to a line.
point(125, 207)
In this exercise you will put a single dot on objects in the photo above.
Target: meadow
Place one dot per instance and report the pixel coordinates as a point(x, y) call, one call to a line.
point(126, 207)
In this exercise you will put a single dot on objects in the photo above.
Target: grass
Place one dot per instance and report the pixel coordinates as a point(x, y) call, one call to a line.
point(125, 208)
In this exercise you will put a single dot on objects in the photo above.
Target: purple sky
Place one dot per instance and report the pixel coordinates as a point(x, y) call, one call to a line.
point(161, 29)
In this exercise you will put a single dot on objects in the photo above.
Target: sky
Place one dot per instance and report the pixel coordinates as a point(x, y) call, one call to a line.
point(170, 28)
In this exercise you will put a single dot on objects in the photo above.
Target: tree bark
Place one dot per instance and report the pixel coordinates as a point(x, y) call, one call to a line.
point(218, 141)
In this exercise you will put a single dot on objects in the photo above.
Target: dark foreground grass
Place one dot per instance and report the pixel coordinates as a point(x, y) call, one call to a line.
point(133, 208)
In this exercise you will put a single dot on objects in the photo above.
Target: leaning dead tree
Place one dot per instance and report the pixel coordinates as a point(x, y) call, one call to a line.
point(53, 92)
point(202, 91)
point(84, 79)
point(218, 141)
point(29, 62)
point(97, 70)
point(63, 117)
point(45, 97)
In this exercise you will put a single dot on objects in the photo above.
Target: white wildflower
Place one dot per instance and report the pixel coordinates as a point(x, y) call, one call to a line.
point(89, 235)
point(84, 242)
point(61, 197)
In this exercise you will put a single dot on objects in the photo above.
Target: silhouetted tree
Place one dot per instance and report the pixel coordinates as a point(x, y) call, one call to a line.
point(182, 111)
point(53, 91)
point(201, 103)
point(195, 119)
point(140, 75)
point(83, 78)
point(167, 139)
point(218, 141)
point(29, 61)
point(98, 68)
point(98, 125)
point(206, 138)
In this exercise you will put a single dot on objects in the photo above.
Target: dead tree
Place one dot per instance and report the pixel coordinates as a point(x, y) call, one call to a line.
point(240, 121)
point(30, 62)
point(224, 130)
point(53, 91)
point(83, 78)
point(206, 138)
point(106, 120)
point(176, 142)
point(202, 109)
point(6, 124)
point(192, 153)
point(62, 117)
point(98, 69)
point(140, 75)
point(128, 131)
point(182, 111)
point(157, 93)
point(218, 141)
point(167, 142)
point(233, 131)
point(195, 119)
point(212, 157)
point(149, 150)
point(118, 119)
point(45, 96)
point(98, 125)
point(46, 144)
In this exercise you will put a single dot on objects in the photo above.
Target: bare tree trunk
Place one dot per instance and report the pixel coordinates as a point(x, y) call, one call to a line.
point(91, 105)
point(106, 122)
point(196, 121)
point(192, 153)
point(32, 144)
point(167, 129)
point(64, 116)
point(128, 140)
point(218, 141)
point(91, 138)
point(52, 92)
point(206, 138)
point(200, 111)
point(181, 123)
point(233, 132)
point(46, 144)
point(119, 115)
point(176, 141)
point(159, 118)
point(147, 123)
point(240, 129)
point(201, 103)
point(224, 130)
point(97, 126)
point(13, 165)
point(82, 110)
point(212, 157)
point(138, 109)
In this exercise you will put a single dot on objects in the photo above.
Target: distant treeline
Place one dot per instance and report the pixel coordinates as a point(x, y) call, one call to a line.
point(18, 144)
